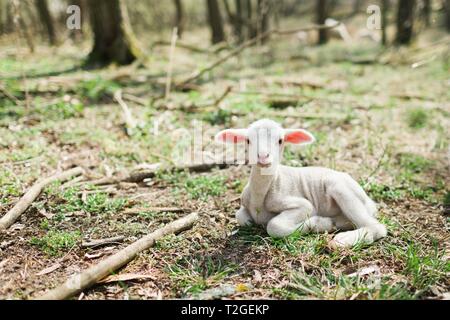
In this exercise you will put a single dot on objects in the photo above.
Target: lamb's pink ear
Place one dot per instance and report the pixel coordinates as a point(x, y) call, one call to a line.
point(231, 135)
point(298, 136)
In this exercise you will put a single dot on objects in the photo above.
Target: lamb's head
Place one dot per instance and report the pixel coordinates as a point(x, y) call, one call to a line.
point(265, 140)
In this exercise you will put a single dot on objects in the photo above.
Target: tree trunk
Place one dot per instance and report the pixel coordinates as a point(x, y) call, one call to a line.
point(239, 18)
point(179, 17)
point(21, 24)
point(113, 38)
point(322, 15)
point(235, 19)
point(447, 14)
point(405, 20)
point(384, 13)
point(426, 12)
point(47, 20)
point(215, 21)
point(263, 17)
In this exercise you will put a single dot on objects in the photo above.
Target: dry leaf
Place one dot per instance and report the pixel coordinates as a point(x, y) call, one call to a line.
point(257, 276)
point(365, 271)
point(48, 270)
point(94, 255)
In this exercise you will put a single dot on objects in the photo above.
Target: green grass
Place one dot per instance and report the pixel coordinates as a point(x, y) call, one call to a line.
point(97, 89)
point(69, 200)
point(55, 241)
point(204, 187)
point(331, 286)
point(61, 110)
point(9, 186)
point(197, 187)
point(193, 275)
point(381, 192)
point(298, 243)
point(414, 163)
point(417, 118)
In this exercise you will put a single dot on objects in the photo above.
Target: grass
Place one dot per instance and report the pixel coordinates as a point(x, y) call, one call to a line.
point(330, 286)
point(193, 275)
point(196, 187)
point(62, 110)
point(417, 118)
point(381, 192)
point(69, 200)
point(55, 242)
point(97, 89)
point(85, 119)
point(204, 187)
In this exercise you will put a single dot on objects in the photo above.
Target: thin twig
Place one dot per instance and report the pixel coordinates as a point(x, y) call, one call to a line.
point(102, 242)
point(130, 123)
point(198, 73)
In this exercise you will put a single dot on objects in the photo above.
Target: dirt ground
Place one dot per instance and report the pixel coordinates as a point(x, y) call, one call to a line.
point(381, 116)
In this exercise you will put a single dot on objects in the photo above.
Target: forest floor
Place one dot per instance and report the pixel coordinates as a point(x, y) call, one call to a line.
point(381, 116)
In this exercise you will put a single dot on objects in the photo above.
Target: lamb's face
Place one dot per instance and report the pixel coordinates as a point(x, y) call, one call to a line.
point(265, 140)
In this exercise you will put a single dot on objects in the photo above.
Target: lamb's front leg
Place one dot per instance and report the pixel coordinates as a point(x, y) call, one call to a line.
point(296, 215)
point(243, 217)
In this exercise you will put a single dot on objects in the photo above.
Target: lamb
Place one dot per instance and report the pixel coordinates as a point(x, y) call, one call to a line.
point(310, 199)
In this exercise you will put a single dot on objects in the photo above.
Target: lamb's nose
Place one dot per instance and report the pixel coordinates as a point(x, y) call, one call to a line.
point(263, 155)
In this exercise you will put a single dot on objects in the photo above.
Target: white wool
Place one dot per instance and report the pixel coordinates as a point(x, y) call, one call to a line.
point(310, 199)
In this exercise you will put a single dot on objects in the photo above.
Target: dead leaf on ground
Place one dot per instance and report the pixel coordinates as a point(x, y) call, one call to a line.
point(49, 269)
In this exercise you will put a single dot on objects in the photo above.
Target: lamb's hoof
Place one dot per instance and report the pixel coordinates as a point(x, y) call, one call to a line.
point(345, 239)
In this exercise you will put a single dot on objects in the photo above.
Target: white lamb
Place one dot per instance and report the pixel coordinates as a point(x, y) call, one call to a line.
point(310, 199)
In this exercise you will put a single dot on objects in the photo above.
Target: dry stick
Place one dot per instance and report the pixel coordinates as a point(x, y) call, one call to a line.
point(198, 73)
point(140, 175)
point(181, 45)
point(135, 99)
point(101, 242)
point(91, 276)
point(173, 43)
point(9, 95)
point(130, 123)
point(9, 218)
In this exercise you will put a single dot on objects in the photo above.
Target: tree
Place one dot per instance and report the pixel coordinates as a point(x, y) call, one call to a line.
point(384, 13)
point(47, 20)
point(426, 12)
point(405, 21)
point(215, 21)
point(114, 40)
point(263, 17)
point(322, 14)
point(235, 19)
point(179, 17)
point(447, 14)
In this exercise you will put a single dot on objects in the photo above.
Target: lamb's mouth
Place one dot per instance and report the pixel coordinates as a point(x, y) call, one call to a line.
point(264, 165)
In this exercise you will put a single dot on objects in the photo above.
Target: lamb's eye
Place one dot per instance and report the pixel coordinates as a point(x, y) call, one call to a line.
point(280, 141)
point(248, 141)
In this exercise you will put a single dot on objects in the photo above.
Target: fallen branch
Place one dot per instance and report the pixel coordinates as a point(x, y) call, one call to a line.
point(10, 96)
point(181, 45)
point(153, 209)
point(91, 276)
point(101, 242)
point(130, 123)
point(9, 218)
point(265, 35)
point(140, 175)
